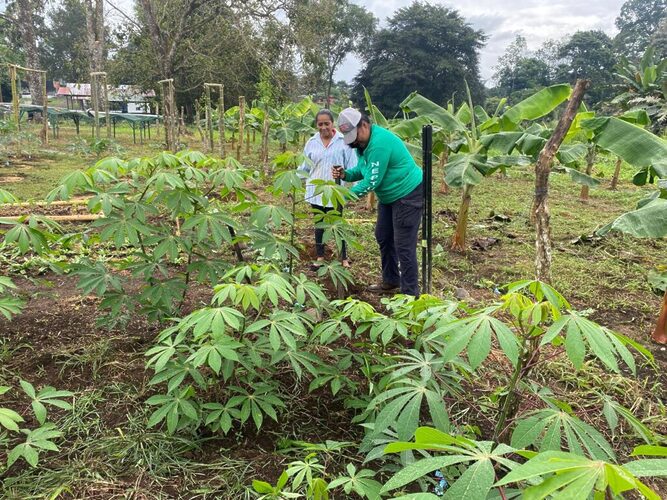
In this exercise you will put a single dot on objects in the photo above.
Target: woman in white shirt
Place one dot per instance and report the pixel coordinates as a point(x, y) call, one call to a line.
point(325, 149)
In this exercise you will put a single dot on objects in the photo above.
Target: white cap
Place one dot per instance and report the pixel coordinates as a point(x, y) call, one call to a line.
point(348, 119)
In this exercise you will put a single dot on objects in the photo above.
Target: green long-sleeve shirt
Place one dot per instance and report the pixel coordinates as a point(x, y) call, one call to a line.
point(386, 167)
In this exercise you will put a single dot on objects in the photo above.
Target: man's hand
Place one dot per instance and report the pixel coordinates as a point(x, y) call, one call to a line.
point(338, 172)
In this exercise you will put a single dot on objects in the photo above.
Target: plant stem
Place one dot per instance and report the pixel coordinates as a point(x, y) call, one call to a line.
point(509, 398)
point(459, 238)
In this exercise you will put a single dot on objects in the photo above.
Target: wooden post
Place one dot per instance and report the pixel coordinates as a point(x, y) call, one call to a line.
point(265, 139)
point(241, 126)
point(221, 120)
point(45, 111)
point(198, 124)
point(247, 142)
point(168, 112)
point(209, 117)
point(540, 210)
point(95, 101)
point(107, 120)
point(13, 75)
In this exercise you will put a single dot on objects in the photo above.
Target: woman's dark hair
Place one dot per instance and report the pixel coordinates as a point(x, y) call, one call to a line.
point(364, 118)
point(324, 112)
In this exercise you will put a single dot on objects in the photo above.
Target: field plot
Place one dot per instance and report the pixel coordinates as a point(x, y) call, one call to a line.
point(169, 336)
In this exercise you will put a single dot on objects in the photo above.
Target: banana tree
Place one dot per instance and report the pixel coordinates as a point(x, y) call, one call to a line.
point(293, 121)
point(648, 153)
point(482, 149)
point(645, 86)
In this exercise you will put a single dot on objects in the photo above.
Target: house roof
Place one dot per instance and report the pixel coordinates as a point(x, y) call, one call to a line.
point(123, 93)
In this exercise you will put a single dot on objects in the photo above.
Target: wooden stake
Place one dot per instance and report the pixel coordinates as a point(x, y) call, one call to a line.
point(241, 126)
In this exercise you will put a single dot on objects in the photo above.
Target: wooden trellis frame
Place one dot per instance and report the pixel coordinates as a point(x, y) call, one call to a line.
point(169, 113)
point(221, 115)
point(98, 80)
point(14, 78)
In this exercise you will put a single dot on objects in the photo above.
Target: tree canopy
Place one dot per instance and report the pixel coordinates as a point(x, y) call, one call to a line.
point(427, 48)
point(637, 22)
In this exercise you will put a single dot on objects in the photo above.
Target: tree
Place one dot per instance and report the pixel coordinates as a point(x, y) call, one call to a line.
point(637, 22)
point(588, 55)
point(327, 31)
point(427, 48)
point(26, 11)
point(659, 39)
point(95, 33)
point(508, 62)
point(65, 51)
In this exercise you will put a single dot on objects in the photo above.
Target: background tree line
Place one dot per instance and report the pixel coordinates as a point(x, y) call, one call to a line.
point(278, 51)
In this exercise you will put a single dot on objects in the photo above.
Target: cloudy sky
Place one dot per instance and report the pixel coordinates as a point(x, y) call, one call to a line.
point(536, 20)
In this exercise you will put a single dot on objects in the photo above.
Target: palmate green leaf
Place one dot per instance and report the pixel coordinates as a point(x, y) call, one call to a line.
point(474, 333)
point(214, 225)
point(276, 215)
point(215, 320)
point(538, 105)
point(274, 287)
point(602, 343)
point(9, 419)
point(288, 182)
point(95, 278)
point(400, 407)
point(331, 193)
point(611, 411)
point(567, 475)
point(26, 237)
point(547, 429)
point(10, 306)
point(475, 482)
point(36, 440)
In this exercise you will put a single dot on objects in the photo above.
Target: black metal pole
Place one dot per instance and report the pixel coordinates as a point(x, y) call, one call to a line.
point(427, 216)
point(343, 251)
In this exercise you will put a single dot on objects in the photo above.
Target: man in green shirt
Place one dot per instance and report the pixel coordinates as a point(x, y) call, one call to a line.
point(386, 167)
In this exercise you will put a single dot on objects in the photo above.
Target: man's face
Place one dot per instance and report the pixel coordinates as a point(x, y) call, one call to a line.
point(325, 126)
point(363, 136)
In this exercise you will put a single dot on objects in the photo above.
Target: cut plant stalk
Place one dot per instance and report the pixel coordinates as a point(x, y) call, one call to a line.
point(617, 173)
point(540, 212)
point(660, 332)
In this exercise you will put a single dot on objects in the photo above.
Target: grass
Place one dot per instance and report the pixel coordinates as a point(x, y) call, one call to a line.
point(109, 452)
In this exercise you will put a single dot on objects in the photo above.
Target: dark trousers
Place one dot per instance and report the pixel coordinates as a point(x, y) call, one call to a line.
point(396, 233)
point(318, 210)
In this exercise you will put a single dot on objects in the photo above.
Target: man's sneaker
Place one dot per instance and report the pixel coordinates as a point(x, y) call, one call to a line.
point(383, 288)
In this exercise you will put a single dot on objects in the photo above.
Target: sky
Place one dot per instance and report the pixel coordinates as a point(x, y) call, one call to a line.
point(502, 21)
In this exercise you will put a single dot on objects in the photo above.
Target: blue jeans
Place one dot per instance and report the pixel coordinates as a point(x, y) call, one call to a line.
point(396, 232)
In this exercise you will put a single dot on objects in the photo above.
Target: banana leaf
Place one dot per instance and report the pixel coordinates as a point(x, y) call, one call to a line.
point(538, 105)
point(650, 221)
point(633, 144)
point(421, 106)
